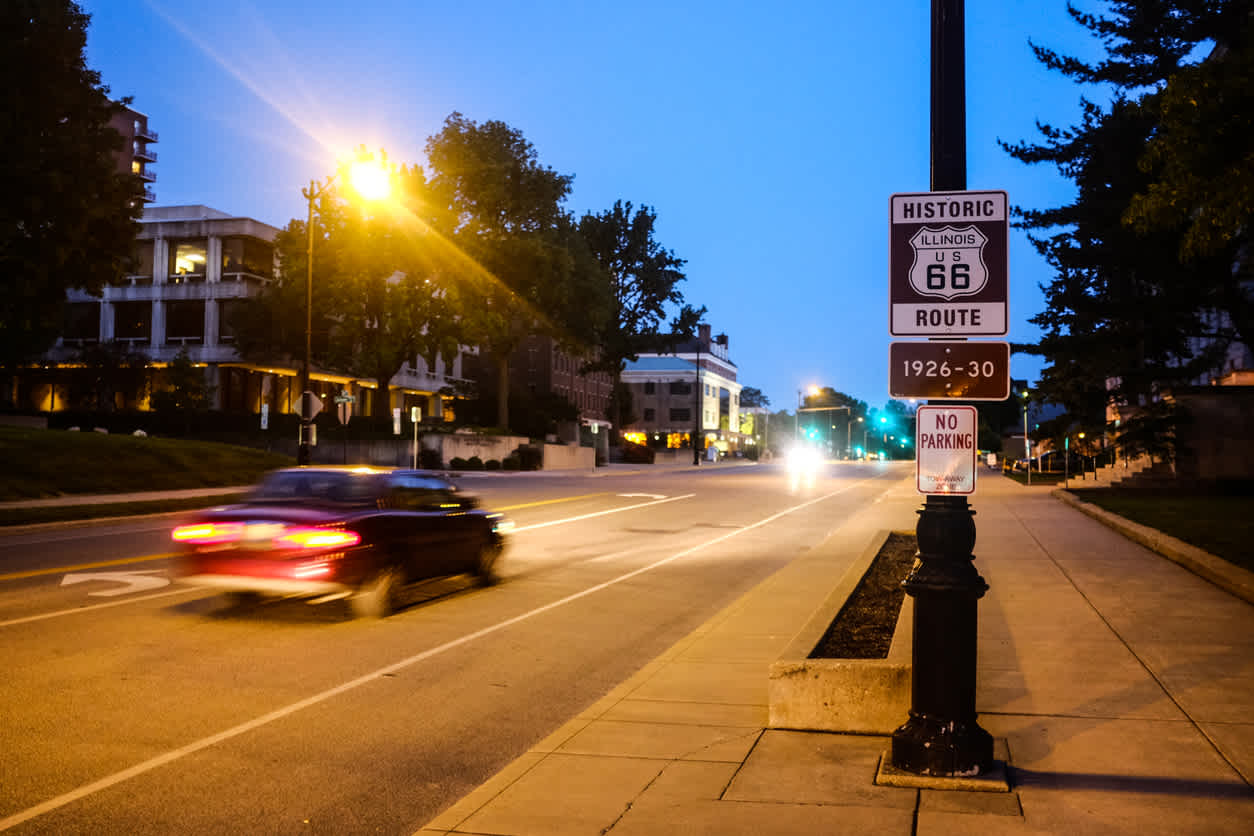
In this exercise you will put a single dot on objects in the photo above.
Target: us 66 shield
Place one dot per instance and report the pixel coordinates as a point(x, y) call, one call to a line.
point(948, 264)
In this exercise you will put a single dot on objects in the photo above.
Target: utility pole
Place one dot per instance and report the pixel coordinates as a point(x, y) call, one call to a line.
point(942, 738)
point(696, 433)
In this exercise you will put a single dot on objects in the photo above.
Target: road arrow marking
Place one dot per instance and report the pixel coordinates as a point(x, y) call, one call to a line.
point(135, 581)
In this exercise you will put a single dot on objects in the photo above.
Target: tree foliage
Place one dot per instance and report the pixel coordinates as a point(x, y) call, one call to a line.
point(518, 262)
point(752, 397)
point(644, 282)
point(67, 215)
point(1131, 309)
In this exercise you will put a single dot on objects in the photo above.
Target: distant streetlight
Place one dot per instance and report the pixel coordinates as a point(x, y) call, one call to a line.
point(370, 179)
point(1027, 445)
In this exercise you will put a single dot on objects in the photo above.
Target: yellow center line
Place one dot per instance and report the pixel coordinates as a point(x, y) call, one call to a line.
point(551, 501)
point(34, 573)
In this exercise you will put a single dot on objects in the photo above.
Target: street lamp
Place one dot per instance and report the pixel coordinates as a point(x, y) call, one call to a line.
point(1027, 445)
point(371, 180)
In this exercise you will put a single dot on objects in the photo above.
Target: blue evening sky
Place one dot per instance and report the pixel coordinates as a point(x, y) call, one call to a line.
point(767, 137)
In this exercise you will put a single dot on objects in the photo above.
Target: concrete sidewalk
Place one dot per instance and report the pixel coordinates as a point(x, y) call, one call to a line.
point(1118, 686)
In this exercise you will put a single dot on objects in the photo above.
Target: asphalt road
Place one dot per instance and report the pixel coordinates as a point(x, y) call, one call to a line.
point(131, 704)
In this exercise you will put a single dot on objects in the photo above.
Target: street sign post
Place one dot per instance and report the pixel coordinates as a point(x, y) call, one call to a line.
point(948, 264)
point(968, 371)
point(945, 442)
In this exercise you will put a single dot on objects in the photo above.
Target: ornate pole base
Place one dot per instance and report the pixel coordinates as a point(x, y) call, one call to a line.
point(942, 737)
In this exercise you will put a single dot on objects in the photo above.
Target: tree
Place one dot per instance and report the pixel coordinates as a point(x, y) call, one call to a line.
point(186, 391)
point(1126, 317)
point(67, 215)
point(519, 266)
point(751, 397)
point(104, 371)
point(380, 297)
point(644, 280)
point(392, 302)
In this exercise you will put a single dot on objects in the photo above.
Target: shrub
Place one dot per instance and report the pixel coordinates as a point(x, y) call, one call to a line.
point(511, 462)
point(492, 464)
point(636, 453)
point(458, 463)
point(474, 463)
point(529, 457)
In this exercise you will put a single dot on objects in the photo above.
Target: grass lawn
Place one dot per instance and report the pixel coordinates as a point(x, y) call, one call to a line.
point(1220, 524)
point(48, 463)
point(1037, 478)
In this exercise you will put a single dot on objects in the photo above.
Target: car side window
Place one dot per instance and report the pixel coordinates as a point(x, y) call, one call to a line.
point(412, 492)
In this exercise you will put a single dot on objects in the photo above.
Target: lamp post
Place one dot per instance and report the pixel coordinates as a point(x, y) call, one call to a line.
point(370, 179)
point(1027, 444)
point(696, 433)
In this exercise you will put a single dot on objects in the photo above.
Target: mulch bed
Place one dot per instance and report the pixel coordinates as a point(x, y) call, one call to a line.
point(863, 629)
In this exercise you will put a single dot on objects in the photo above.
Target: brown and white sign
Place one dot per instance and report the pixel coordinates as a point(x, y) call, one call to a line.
point(948, 264)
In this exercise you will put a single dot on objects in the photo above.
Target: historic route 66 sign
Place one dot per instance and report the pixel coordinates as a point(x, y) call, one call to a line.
point(948, 264)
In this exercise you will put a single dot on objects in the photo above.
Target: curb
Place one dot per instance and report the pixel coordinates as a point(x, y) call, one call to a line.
point(1226, 576)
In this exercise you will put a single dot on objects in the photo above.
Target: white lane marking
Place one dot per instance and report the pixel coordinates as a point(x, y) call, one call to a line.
point(77, 610)
point(131, 581)
point(278, 714)
point(600, 513)
point(649, 495)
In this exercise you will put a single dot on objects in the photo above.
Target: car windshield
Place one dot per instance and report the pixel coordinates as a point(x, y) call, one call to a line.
point(315, 486)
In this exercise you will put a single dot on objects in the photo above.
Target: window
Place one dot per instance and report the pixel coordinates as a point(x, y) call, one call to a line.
point(650, 388)
point(230, 311)
point(246, 255)
point(133, 321)
point(141, 261)
point(681, 414)
point(681, 387)
point(707, 388)
point(187, 259)
point(185, 322)
point(650, 413)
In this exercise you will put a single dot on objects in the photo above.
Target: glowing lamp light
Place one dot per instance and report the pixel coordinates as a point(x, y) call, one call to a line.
point(370, 179)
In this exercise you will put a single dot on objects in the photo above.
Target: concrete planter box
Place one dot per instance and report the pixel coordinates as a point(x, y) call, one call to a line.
point(867, 696)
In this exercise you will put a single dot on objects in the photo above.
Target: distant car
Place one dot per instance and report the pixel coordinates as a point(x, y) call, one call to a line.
point(327, 533)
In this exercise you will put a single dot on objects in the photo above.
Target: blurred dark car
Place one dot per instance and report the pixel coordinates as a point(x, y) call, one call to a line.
point(327, 533)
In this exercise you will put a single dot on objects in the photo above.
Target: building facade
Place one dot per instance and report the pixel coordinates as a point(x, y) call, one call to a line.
point(195, 267)
point(135, 156)
point(692, 392)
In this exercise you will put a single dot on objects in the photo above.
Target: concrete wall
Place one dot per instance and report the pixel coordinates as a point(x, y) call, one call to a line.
point(398, 452)
point(1218, 442)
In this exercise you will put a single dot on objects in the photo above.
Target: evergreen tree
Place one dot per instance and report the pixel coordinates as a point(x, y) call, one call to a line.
point(1127, 315)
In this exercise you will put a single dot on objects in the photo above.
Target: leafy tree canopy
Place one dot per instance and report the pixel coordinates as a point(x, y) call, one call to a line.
point(520, 266)
point(67, 215)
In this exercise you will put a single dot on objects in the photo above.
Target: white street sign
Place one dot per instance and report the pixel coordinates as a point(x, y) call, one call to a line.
point(945, 442)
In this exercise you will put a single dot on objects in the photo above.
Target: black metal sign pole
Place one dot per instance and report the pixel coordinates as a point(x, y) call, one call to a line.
point(942, 737)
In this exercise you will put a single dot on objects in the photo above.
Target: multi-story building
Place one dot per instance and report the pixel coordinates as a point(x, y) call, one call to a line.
point(135, 156)
point(690, 392)
point(195, 267)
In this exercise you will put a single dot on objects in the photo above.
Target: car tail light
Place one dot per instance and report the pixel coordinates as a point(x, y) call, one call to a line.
point(207, 533)
point(317, 538)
